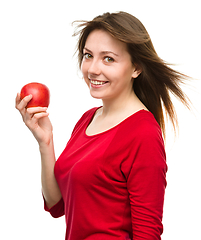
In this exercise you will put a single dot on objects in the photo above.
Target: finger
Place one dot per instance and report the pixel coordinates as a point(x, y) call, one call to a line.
point(36, 117)
point(17, 100)
point(40, 115)
point(30, 113)
point(34, 110)
point(23, 103)
point(32, 122)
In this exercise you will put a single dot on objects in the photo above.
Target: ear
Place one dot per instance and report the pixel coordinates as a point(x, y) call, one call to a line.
point(136, 72)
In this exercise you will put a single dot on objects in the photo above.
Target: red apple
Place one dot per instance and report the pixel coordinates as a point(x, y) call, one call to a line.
point(40, 94)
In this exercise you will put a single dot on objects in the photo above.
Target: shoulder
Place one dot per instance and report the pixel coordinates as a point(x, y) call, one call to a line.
point(139, 133)
point(148, 133)
point(147, 126)
point(142, 137)
point(145, 144)
point(141, 126)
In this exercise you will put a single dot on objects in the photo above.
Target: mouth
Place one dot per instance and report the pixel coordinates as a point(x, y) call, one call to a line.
point(97, 82)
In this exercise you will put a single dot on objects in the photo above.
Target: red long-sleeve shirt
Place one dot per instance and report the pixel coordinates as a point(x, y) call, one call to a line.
point(113, 183)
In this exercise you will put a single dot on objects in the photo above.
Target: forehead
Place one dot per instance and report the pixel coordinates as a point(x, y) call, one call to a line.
point(100, 40)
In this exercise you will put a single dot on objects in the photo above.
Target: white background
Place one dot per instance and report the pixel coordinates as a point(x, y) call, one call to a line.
point(36, 44)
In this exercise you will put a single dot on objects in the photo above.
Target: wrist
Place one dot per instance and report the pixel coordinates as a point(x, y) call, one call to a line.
point(46, 144)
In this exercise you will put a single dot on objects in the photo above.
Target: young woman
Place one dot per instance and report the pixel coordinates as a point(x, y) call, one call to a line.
point(110, 179)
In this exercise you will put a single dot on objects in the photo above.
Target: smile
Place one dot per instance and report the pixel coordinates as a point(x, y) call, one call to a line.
point(95, 82)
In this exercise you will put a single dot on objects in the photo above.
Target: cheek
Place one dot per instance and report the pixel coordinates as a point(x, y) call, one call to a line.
point(118, 73)
point(84, 71)
point(127, 72)
point(82, 67)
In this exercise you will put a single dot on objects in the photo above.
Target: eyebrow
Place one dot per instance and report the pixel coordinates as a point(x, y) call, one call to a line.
point(103, 52)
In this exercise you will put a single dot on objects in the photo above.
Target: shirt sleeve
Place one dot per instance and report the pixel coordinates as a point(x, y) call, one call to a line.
point(146, 185)
point(57, 210)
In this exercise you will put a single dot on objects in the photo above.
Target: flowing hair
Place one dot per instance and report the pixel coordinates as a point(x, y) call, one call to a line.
point(157, 79)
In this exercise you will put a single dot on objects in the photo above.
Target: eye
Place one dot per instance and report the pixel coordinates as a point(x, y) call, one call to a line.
point(87, 56)
point(109, 59)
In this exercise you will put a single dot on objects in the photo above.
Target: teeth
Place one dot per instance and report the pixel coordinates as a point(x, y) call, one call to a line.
point(97, 82)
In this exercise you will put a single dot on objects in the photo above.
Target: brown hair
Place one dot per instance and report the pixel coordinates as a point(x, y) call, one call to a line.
point(152, 86)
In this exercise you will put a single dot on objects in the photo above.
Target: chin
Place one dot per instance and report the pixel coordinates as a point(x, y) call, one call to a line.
point(96, 96)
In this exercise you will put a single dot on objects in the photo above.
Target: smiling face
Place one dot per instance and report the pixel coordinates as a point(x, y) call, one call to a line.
point(106, 66)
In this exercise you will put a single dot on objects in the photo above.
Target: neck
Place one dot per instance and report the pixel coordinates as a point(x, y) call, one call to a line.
point(129, 103)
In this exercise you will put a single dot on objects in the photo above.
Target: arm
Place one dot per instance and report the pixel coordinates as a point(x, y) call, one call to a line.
point(37, 120)
point(50, 188)
point(146, 186)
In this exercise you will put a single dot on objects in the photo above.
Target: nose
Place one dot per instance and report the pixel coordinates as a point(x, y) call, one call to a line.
point(94, 68)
